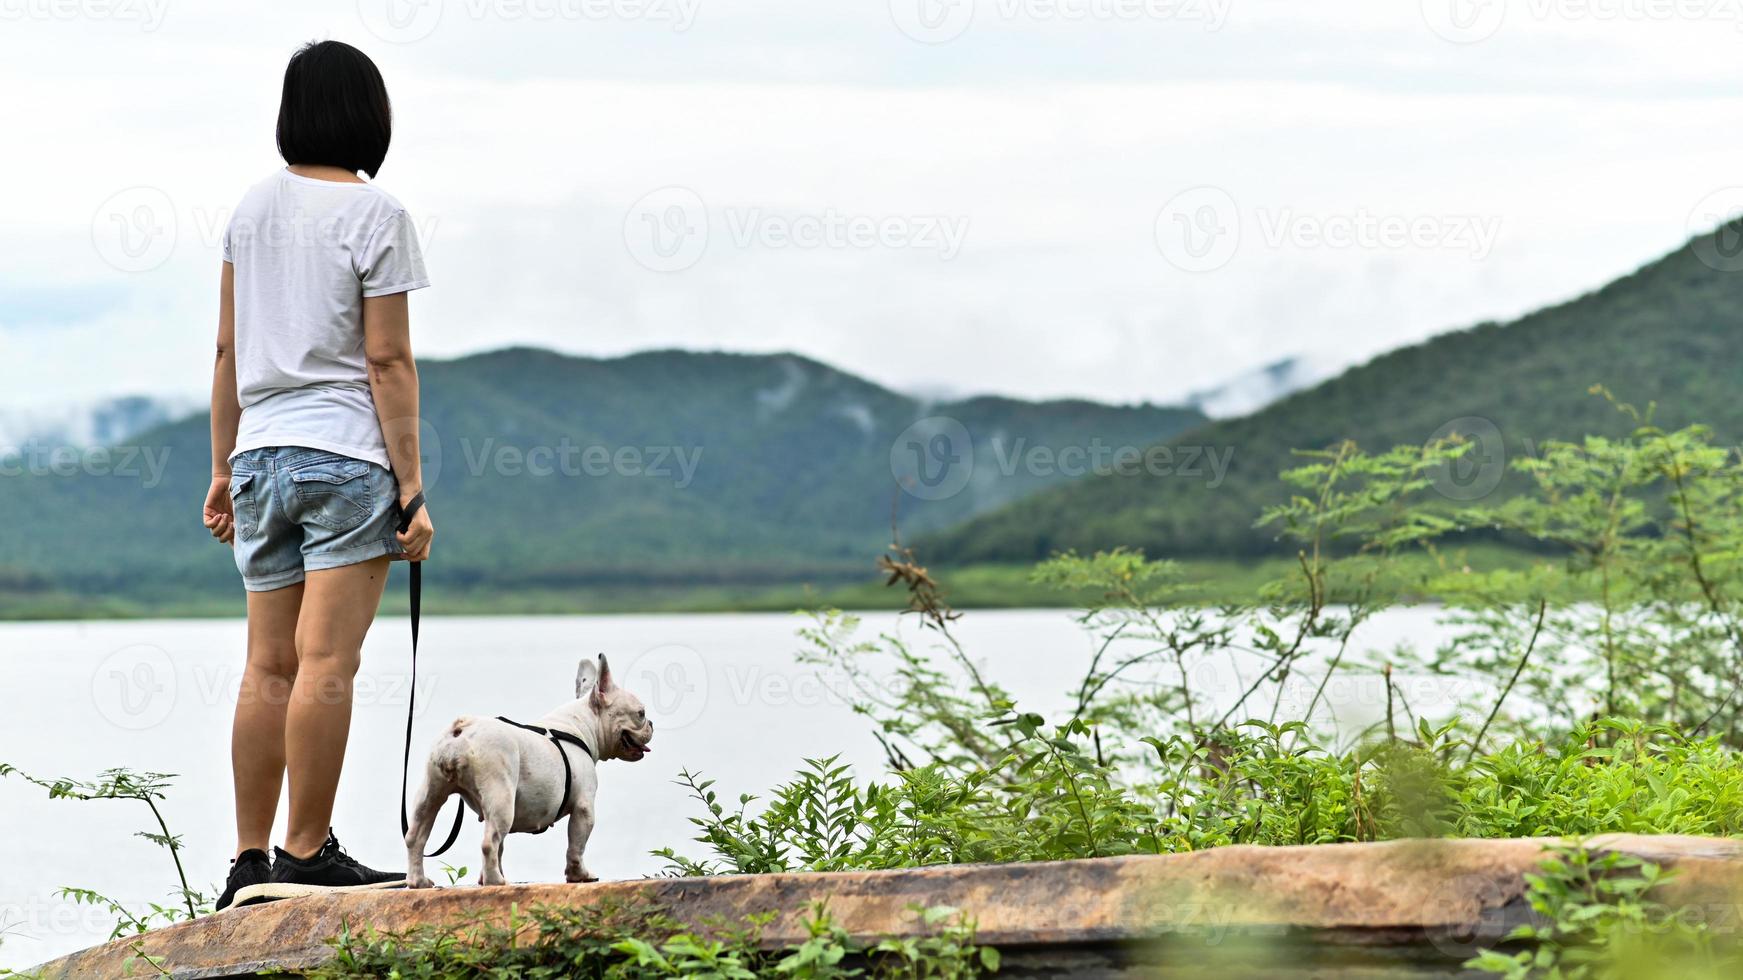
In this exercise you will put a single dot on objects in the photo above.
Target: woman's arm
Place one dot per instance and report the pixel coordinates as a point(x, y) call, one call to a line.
point(220, 516)
point(393, 380)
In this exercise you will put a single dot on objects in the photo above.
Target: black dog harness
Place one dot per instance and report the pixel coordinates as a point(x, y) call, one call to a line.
point(557, 737)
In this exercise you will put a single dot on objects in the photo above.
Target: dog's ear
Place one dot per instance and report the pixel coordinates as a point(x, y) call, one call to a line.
point(601, 689)
point(586, 677)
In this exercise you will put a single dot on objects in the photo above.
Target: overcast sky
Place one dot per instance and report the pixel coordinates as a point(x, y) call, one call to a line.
point(1120, 199)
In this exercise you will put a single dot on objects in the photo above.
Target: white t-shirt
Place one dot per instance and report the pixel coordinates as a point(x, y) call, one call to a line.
point(306, 253)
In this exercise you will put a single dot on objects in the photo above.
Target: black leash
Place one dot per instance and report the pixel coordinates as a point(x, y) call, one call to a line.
point(557, 737)
point(409, 511)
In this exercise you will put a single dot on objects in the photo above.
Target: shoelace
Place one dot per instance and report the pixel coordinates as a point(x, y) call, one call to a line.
point(335, 851)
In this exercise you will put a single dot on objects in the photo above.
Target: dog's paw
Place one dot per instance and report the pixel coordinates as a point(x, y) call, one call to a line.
point(578, 876)
point(421, 881)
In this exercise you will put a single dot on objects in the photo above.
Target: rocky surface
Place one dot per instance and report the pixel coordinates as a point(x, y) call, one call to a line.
point(1400, 908)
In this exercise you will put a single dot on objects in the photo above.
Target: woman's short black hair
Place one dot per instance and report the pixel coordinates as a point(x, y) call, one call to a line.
point(334, 111)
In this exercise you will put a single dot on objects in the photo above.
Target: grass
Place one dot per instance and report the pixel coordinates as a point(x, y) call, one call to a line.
point(983, 586)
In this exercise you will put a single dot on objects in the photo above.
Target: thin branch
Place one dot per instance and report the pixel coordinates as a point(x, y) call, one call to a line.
point(1536, 631)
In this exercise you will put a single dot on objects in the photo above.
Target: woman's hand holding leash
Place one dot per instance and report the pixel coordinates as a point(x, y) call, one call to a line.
point(220, 513)
point(419, 532)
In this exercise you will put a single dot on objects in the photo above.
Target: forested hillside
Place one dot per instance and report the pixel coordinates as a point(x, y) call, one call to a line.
point(548, 471)
point(1672, 332)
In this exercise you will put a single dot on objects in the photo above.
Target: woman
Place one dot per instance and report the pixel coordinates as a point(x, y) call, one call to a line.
point(314, 455)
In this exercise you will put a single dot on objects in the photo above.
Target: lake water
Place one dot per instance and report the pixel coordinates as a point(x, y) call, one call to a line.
point(728, 699)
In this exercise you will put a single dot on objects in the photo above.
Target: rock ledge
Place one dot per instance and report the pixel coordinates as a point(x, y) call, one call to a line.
point(1399, 908)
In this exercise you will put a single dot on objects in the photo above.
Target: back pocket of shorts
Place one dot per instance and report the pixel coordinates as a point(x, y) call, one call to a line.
point(242, 492)
point(334, 494)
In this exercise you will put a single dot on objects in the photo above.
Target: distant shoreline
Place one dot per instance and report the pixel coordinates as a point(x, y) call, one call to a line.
point(985, 586)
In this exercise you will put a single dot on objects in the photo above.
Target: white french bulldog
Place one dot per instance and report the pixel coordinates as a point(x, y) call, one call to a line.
point(513, 777)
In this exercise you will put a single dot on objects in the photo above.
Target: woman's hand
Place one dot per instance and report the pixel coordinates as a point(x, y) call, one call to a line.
point(416, 538)
point(220, 517)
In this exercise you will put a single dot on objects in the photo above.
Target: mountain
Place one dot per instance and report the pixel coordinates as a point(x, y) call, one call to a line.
point(1249, 392)
point(103, 423)
point(553, 472)
point(1671, 332)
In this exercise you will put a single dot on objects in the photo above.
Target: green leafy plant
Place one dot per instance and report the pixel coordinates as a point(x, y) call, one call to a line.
point(1595, 917)
point(148, 788)
point(1608, 666)
point(632, 941)
point(1590, 688)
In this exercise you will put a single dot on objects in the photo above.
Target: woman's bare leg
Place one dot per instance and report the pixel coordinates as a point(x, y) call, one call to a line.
point(338, 606)
point(257, 735)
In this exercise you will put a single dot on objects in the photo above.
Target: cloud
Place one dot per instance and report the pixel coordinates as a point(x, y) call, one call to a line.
point(822, 144)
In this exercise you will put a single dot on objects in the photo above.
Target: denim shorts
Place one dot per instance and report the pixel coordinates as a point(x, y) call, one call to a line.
point(300, 510)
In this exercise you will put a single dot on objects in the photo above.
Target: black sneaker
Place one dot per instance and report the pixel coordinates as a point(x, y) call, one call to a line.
point(251, 867)
point(330, 870)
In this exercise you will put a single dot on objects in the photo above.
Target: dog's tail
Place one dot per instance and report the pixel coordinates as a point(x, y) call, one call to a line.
point(450, 763)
